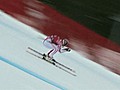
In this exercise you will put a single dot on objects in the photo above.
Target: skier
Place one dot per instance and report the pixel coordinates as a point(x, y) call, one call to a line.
point(56, 44)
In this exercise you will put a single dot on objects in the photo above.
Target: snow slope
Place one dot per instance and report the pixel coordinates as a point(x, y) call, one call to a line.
point(21, 71)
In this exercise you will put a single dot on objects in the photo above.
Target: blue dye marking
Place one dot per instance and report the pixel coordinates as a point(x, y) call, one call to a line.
point(32, 73)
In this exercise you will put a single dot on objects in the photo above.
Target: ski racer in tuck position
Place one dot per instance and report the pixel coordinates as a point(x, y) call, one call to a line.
point(56, 44)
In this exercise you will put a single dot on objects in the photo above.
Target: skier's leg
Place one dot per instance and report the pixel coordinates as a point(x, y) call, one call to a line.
point(48, 44)
point(54, 48)
point(53, 51)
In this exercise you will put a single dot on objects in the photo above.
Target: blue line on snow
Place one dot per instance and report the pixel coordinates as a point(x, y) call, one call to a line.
point(32, 73)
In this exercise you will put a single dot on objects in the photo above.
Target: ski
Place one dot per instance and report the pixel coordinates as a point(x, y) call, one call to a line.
point(53, 60)
point(63, 66)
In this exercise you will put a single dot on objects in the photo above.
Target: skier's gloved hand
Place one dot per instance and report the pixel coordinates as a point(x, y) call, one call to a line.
point(67, 49)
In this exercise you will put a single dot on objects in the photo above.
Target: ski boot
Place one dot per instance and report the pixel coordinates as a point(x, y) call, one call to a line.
point(48, 58)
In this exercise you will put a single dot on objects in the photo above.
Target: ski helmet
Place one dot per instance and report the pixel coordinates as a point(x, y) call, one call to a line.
point(65, 42)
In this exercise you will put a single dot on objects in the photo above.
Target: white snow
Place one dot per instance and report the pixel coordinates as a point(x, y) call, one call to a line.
point(21, 71)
